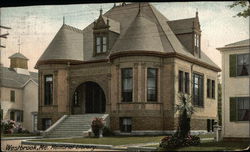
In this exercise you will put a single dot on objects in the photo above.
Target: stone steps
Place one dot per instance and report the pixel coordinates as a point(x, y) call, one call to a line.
point(73, 125)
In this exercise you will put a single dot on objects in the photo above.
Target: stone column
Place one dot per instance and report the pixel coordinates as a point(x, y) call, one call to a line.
point(143, 82)
point(135, 83)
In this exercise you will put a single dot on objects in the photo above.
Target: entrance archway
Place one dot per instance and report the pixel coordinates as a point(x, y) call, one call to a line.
point(88, 98)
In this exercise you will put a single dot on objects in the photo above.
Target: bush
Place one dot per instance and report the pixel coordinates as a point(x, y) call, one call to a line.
point(96, 125)
point(10, 127)
point(107, 132)
point(170, 142)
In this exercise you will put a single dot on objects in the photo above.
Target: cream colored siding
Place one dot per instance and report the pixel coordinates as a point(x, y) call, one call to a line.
point(233, 87)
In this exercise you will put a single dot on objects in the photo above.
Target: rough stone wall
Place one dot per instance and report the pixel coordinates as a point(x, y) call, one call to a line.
point(209, 111)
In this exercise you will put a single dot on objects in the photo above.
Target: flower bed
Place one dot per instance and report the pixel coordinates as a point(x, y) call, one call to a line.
point(11, 127)
point(174, 141)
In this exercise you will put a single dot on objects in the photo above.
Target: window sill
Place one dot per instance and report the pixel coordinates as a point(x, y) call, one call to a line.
point(210, 98)
point(100, 54)
point(244, 76)
point(241, 121)
point(49, 105)
point(139, 102)
point(196, 106)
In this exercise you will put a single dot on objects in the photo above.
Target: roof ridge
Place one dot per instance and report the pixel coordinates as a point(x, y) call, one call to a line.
point(72, 28)
point(181, 19)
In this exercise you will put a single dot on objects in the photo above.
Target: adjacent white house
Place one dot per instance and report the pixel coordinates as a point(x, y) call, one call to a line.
point(19, 92)
point(235, 90)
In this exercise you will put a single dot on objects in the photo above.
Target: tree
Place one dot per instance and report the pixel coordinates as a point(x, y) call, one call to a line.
point(245, 5)
point(219, 104)
point(185, 109)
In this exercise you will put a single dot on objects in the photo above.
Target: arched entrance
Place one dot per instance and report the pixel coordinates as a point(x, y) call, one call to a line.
point(88, 98)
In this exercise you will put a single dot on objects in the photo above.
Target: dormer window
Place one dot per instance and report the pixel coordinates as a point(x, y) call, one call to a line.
point(100, 44)
point(197, 44)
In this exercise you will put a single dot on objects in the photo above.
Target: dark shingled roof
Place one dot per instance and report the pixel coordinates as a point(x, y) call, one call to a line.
point(66, 45)
point(18, 55)
point(152, 27)
point(141, 35)
point(182, 25)
point(9, 78)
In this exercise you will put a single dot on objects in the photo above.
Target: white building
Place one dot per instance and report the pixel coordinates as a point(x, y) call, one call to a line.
point(19, 92)
point(235, 90)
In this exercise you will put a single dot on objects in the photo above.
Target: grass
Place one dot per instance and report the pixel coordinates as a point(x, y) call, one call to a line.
point(216, 146)
point(210, 135)
point(19, 135)
point(115, 140)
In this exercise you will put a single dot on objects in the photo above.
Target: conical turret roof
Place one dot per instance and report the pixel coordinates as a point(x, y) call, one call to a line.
point(66, 45)
point(142, 35)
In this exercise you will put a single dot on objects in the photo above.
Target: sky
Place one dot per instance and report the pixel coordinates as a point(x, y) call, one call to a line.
point(34, 27)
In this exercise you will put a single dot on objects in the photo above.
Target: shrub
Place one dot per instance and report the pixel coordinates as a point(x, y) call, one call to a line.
point(10, 127)
point(107, 131)
point(170, 142)
point(96, 125)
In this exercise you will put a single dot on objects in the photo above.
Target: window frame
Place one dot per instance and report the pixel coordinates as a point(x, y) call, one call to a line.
point(238, 110)
point(122, 85)
point(125, 128)
point(12, 95)
point(248, 65)
point(44, 123)
point(100, 35)
point(200, 93)
point(156, 85)
point(183, 82)
point(51, 93)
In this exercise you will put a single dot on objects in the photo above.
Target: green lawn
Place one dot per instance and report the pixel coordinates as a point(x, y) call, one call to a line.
point(207, 135)
point(216, 146)
point(115, 140)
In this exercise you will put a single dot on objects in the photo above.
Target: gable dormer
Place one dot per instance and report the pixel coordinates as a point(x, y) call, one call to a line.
point(189, 34)
point(100, 34)
point(105, 33)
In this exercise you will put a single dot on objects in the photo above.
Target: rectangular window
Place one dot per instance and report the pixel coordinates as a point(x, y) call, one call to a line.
point(243, 107)
point(125, 124)
point(101, 44)
point(183, 82)
point(47, 122)
point(198, 90)
point(213, 89)
point(152, 84)
point(127, 84)
point(18, 116)
point(208, 88)
point(98, 44)
point(48, 90)
point(186, 82)
point(1, 114)
point(104, 44)
point(12, 115)
point(243, 68)
point(12, 96)
point(180, 81)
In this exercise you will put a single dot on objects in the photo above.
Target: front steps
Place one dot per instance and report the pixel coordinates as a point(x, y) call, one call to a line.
point(72, 125)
